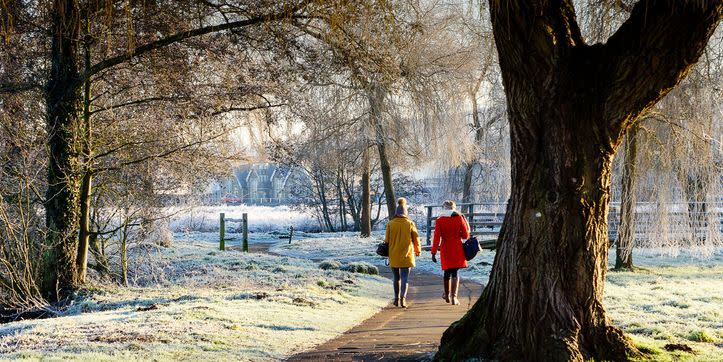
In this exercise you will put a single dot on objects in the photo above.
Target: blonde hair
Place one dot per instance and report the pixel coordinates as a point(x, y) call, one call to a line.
point(401, 209)
point(449, 204)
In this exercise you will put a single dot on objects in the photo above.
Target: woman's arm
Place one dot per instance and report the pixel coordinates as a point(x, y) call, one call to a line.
point(386, 235)
point(437, 238)
point(415, 240)
point(464, 233)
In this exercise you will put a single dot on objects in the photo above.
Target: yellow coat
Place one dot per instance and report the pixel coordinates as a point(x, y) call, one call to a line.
point(403, 241)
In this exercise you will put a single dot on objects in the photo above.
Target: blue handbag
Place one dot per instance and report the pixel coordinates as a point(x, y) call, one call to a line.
point(471, 248)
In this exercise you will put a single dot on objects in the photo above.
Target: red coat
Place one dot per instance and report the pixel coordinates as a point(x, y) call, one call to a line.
point(451, 231)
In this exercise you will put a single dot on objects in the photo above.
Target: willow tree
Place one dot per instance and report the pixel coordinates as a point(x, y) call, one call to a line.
point(569, 107)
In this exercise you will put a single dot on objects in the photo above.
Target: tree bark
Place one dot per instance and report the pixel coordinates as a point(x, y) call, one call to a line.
point(376, 99)
point(321, 190)
point(353, 206)
point(366, 198)
point(84, 232)
point(626, 230)
point(124, 251)
point(342, 205)
point(478, 137)
point(59, 271)
point(695, 189)
point(87, 179)
point(569, 105)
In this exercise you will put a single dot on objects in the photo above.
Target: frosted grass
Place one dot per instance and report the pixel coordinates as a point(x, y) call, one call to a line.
point(212, 306)
point(674, 298)
point(233, 306)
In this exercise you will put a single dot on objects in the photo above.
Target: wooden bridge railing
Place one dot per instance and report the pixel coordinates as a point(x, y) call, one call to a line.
point(485, 219)
point(483, 224)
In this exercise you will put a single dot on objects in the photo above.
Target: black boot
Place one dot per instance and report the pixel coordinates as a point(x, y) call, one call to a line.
point(446, 283)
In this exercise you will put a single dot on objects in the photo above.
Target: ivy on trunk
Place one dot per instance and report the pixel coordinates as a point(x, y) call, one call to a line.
point(62, 96)
point(569, 106)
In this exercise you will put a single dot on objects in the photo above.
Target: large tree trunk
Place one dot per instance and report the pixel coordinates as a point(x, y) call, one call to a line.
point(59, 271)
point(626, 230)
point(366, 199)
point(569, 105)
point(544, 297)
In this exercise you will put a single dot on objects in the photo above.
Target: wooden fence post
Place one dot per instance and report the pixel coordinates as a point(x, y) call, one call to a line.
point(222, 240)
point(470, 219)
point(245, 225)
point(429, 225)
point(291, 233)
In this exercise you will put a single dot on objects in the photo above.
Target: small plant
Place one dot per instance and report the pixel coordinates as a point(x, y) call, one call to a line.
point(700, 335)
point(330, 265)
point(646, 348)
point(677, 304)
point(361, 267)
point(327, 285)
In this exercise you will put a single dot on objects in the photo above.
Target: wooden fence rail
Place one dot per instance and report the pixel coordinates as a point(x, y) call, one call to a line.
point(244, 220)
point(486, 225)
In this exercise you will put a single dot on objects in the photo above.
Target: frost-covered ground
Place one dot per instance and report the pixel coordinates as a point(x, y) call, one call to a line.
point(261, 218)
point(348, 247)
point(216, 305)
point(672, 299)
point(209, 306)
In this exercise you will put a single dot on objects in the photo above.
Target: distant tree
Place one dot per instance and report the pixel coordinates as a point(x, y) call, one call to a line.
point(626, 230)
point(403, 61)
point(569, 106)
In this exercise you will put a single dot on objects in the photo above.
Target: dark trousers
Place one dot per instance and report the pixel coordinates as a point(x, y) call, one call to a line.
point(451, 273)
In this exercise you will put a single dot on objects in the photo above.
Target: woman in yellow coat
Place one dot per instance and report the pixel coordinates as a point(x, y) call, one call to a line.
point(403, 241)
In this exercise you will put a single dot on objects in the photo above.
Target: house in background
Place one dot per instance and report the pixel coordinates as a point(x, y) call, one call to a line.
point(261, 184)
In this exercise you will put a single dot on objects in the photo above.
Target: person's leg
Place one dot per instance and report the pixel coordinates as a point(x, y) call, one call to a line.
point(395, 282)
point(446, 283)
point(405, 283)
point(454, 285)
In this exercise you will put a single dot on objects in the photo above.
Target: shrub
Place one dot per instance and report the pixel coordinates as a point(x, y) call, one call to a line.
point(159, 232)
point(327, 285)
point(330, 265)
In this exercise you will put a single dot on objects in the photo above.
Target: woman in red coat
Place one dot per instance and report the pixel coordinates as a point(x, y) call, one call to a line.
point(450, 231)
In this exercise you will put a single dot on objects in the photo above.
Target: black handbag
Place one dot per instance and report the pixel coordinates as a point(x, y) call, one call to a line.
point(383, 249)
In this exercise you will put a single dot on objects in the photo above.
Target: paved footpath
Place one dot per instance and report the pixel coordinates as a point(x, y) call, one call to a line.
point(398, 334)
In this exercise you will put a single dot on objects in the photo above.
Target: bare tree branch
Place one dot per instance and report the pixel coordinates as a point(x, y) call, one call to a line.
point(110, 62)
point(18, 87)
